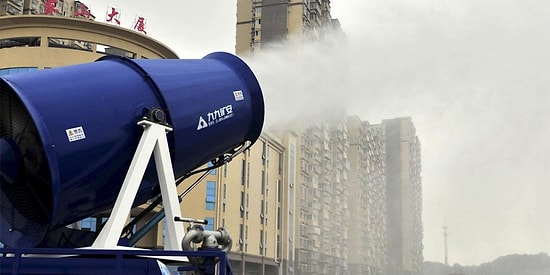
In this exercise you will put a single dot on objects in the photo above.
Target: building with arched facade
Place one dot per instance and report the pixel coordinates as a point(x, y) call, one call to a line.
point(30, 42)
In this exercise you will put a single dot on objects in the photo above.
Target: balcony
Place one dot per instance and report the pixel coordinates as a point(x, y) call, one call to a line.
point(14, 7)
point(314, 230)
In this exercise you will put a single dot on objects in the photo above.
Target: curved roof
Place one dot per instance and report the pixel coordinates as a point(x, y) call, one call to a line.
point(61, 39)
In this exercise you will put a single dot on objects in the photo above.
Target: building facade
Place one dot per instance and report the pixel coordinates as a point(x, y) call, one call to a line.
point(31, 40)
point(245, 196)
point(66, 8)
point(323, 245)
point(404, 195)
point(386, 203)
point(367, 200)
point(261, 22)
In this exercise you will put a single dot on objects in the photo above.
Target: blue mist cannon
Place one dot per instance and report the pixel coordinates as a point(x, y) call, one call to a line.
point(68, 135)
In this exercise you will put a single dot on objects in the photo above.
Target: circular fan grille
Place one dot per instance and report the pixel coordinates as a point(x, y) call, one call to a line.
point(26, 203)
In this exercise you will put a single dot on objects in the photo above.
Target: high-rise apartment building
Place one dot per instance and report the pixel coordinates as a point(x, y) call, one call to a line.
point(404, 195)
point(323, 194)
point(260, 22)
point(367, 198)
point(288, 192)
point(386, 197)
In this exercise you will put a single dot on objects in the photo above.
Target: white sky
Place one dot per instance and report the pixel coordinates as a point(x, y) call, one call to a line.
point(473, 75)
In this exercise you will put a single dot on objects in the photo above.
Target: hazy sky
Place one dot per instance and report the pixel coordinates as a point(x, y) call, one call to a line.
point(473, 74)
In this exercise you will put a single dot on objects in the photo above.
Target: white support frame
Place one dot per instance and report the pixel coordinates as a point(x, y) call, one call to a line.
point(154, 141)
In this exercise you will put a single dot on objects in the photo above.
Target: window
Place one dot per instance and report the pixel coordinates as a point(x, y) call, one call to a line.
point(280, 164)
point(243, 171)
point(109, 50)
point(241, 237)
point(279, 220)
point(89, 224)
point(313, 16)
point(261, 242)
point(17, 70)
point(20, 42)
point(210, 195)
point(213, 171)
point(262, 215)
point(280, 190)
point(81, 45)
point(224, 196)
point(278, 253)
point(163, 231)
point(247, 200)
point(210, 225)
point(263, 182)
point(242, 204)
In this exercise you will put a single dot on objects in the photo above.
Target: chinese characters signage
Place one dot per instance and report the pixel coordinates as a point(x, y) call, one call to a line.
point(113, 16)
point(50, 7)
point(81, 10)
point(139, 24)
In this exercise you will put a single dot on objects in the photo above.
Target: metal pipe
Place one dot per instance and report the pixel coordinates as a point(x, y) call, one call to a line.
point(160, 215)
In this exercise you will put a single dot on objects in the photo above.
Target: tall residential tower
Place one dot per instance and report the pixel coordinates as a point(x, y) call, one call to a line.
point(260, 22)
point(367, 199)
point(404, 195)
point(322, 224)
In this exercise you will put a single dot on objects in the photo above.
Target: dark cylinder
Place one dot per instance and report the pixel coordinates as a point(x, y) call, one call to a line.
point(68, 135)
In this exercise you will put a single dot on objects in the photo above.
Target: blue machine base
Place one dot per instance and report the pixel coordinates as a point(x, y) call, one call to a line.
point(107, 261)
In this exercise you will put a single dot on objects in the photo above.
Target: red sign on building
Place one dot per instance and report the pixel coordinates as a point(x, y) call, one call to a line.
point(50, 7)
point(81, 10)
point(113, 16)
point(139, 24)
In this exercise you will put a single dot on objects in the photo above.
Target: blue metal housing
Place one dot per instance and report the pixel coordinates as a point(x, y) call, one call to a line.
point(85, 118)
point(104, 261)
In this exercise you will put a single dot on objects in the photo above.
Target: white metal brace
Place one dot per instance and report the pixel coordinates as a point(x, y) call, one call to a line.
point(153, 140)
